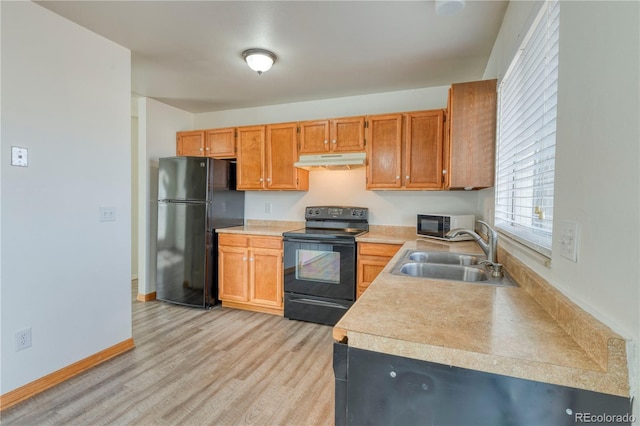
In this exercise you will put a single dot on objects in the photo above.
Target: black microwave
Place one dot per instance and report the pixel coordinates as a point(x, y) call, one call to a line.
point(437, 225)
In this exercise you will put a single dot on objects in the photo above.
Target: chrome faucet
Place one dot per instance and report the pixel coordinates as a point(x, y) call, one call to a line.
point(490, 248)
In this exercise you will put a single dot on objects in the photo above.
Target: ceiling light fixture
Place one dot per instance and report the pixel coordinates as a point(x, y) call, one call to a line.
point(259, 60)
point(449, 7)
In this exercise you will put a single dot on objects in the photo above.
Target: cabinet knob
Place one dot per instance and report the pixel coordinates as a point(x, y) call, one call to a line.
point(333, 141)
point(244, 259)
point(444, 172)
point(397, 177)
point(200, 149)
point(251, 259)
point(261, 180)
point(326, 142)
point(207, 148)
point(407, 177)
point(268, 179)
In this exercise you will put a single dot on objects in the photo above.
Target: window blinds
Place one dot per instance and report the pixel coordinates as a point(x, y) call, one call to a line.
point(527, 107)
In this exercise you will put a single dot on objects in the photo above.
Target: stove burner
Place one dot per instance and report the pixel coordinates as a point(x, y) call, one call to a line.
point(331, 222)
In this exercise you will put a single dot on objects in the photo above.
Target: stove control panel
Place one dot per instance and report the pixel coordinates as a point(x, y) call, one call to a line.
point(337, 212)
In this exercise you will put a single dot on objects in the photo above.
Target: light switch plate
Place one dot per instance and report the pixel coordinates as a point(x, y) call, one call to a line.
point(569, 240)
point(107, 214)
point(19, 156)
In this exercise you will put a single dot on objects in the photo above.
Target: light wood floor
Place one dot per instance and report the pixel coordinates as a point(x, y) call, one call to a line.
point(197, 367)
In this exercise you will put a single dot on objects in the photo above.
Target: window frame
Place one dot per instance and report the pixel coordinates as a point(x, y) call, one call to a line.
point(525, 160)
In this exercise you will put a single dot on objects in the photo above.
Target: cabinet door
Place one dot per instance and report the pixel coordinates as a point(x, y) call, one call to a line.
point(314, 137)
point(281, 153)
point(190, 143)
point(347, 134)
point(423, 150)
point(221, 143)
point(266, 277)
point(251, 157)
point(368, 270)
point(384, 150)
point(233, 274)
point(472, 134)
point(372, 258)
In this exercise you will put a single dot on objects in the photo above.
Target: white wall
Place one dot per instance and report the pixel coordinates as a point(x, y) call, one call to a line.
point(597, 157)
point(63, 273)
point(157, 127)
point(134, 193)
point(344, 187)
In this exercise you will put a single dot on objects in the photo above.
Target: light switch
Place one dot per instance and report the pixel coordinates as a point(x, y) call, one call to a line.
point(569, 240)
point(19, 156)
point(107, 214)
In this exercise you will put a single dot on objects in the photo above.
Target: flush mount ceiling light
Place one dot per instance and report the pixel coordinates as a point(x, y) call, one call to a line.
point(449, 7)
point(259, 60)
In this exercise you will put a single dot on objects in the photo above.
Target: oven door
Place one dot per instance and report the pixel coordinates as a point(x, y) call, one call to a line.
point(320, 268)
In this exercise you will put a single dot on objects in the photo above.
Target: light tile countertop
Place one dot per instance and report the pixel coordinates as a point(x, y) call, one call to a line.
point(262, 227)
point(502, 330)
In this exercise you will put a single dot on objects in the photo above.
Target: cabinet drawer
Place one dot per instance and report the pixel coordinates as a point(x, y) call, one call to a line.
point(376, 249)
point(266, 242)
point(233, 240)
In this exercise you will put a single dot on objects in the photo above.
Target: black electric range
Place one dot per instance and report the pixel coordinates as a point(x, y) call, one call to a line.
point(320, 263)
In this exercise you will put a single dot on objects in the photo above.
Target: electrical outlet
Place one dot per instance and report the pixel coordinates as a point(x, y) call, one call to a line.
point(107, 214)
point(23, 339)
point(569, 240)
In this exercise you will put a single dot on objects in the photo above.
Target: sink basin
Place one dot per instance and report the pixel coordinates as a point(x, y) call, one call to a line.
point(445, 272)
point(444, 265)
point(445, 258)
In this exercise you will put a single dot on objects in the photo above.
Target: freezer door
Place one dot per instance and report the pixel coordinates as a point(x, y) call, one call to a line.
point(184, 256)
point(183, 178)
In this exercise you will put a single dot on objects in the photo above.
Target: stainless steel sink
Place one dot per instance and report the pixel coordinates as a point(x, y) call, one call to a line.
point(445, 258)
point(445, 272)
point(447, 266)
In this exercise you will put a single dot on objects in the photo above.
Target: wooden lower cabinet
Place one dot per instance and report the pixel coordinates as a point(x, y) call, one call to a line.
point(250, 274)
point(372, 258)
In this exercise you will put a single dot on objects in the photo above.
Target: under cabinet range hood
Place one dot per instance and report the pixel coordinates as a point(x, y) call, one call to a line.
point(347, 161)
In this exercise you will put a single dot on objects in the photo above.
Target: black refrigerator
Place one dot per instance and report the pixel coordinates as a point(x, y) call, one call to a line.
point(196, 196)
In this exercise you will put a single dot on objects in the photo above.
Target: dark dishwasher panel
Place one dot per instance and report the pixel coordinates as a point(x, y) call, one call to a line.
point(385, 389)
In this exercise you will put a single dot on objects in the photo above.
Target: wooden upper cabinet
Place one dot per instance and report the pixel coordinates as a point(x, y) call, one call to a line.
point(335, 135)
point(471, 135)
point(384, 151)
point(314, 137)
point(220, 143)
point(250, 170)
point(347, 134)
point(190, 143)
point(215, 143)
point(281, 153)
point(265, 158)
point(423, 150)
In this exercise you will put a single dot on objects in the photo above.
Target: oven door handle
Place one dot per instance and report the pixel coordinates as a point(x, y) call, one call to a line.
point(318, 303)
point(317, 241)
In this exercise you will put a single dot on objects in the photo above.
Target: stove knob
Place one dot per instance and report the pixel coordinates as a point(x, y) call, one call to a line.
point(317, 211)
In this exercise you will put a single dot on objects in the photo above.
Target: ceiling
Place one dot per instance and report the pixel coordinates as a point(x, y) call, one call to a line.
point(189, 53)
